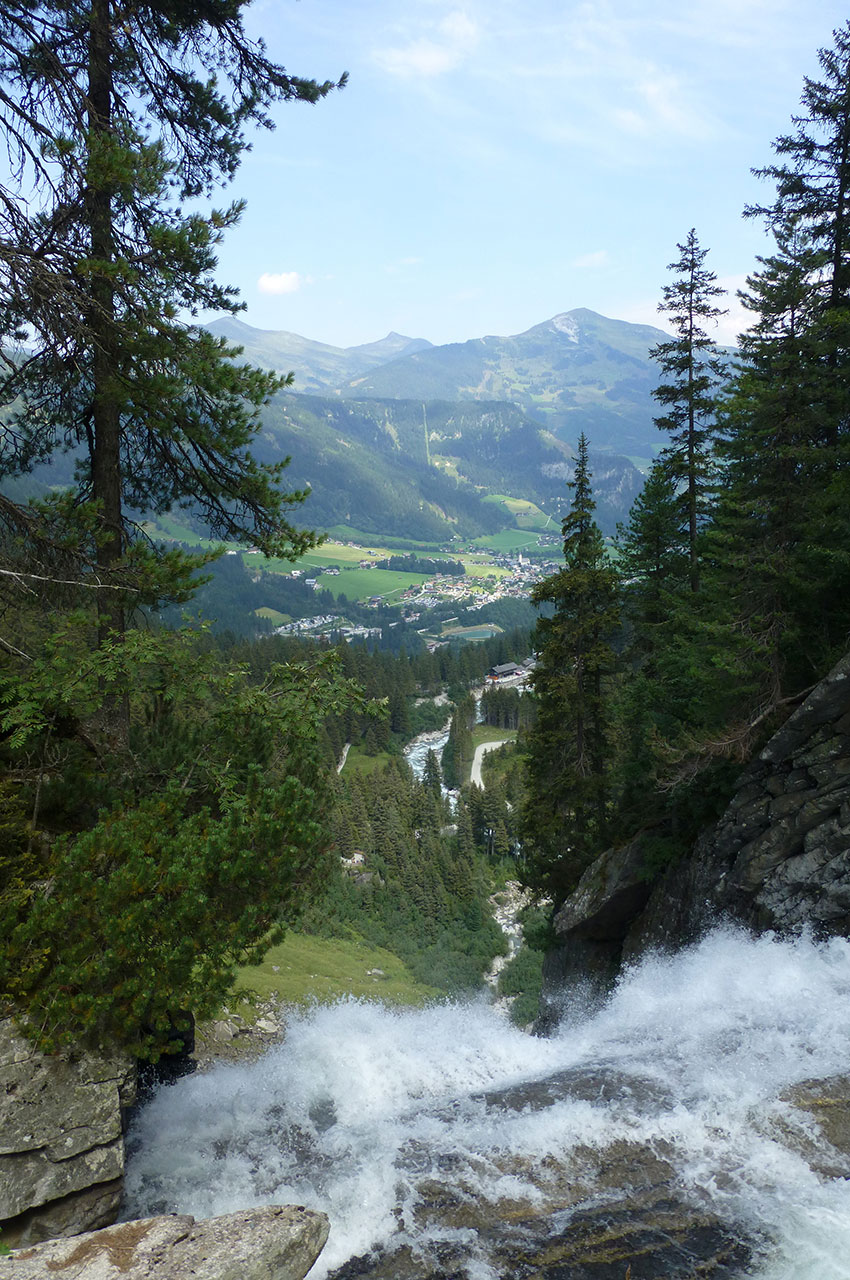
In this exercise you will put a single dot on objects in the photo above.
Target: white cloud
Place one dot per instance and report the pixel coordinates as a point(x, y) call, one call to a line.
point(453, 40)
point(599, 258)
point(282, 282)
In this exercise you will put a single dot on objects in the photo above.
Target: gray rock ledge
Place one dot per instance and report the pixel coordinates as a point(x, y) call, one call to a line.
point(276, 1242)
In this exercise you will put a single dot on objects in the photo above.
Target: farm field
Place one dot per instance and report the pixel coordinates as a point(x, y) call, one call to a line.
point(508, 540)
point(526, 514)
point(360, 584)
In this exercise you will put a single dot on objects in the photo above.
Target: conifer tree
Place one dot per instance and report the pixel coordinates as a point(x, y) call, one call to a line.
point(653, 561)
point(568, 749)
point(691, 364)
point(113, 115)
point(432, 777)
point(783, 534)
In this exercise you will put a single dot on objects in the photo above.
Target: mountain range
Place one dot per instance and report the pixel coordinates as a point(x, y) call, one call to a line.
point(576, 372)
point(403, 439)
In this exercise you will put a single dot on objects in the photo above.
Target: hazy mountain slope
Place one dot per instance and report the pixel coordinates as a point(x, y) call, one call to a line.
point(421, 470)
point(577, 372)
point(317, 365)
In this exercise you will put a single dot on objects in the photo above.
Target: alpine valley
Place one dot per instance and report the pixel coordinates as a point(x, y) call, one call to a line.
point(404, 439)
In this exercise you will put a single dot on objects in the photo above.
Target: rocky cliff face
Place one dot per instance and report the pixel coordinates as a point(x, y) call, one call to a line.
point(61, 1143)
point(779, 858)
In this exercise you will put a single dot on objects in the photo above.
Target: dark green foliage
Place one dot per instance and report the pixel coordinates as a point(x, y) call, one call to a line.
point(458, 751)
point(432, 777)
point(506, 708)
point(522, 978)
point(164, 878)
point(693, 368)
point(422, 564)
point(421, 891)
point(565, 817)
point(129, 113)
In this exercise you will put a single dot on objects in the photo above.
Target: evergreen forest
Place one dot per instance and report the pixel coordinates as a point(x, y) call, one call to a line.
point(173, 795)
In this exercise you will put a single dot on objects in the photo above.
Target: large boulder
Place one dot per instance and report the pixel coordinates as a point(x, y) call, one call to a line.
point(61, 1143)
point(272, 1243)
point(591, 926)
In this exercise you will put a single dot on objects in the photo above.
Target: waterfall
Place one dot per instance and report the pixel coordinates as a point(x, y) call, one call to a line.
point(439, 1132)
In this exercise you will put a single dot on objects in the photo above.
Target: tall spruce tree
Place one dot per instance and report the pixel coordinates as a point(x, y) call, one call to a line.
point(174, 808)
point(568, 749)
point(692, 368)
point(783, 532)
point(114, 114)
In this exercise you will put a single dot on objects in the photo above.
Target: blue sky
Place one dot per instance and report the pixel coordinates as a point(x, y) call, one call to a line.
point(494, 162)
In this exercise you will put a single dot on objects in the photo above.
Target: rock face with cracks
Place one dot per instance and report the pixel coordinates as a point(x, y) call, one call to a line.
point(778, 859)
point(272, 1243)
point(61, 1142)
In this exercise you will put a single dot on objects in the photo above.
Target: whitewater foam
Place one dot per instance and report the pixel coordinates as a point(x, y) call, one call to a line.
point(360, 1106)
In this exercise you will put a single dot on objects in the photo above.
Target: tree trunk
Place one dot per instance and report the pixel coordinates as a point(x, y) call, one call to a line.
point(105, 404)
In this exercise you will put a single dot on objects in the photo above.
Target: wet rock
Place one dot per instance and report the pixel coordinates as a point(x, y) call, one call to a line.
point(272, 1243)
point(827, 1103)
point(61, 1144)
point(610, 1210)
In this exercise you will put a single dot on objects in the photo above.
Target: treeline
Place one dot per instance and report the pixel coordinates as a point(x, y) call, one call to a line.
point(507, 708)
point(412, 881)
point(730, 597)
point(421, 564)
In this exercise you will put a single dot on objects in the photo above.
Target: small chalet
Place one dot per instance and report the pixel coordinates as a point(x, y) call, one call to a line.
point(503, 672)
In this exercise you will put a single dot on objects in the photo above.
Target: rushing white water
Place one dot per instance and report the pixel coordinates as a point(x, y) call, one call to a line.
point(416, 751)
point(360, 1106)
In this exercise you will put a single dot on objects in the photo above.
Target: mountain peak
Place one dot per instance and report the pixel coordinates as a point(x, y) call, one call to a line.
point(566, 323)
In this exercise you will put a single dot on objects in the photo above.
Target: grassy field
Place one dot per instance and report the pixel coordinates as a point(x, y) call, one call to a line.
point(481, 566)
point(527, 515)
point(303, 969)
point(348, 534)
point(359, 762)
point(274, 616)
point(508, 540)
point(360, 584)
point(488, 733)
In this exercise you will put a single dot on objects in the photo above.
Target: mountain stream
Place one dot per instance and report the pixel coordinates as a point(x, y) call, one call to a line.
point(667, 1131)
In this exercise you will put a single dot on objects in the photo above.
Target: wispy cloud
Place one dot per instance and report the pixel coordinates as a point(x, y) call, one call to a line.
point(280, 282)
point(444, 48)
point(399, 264)
point(600, 258)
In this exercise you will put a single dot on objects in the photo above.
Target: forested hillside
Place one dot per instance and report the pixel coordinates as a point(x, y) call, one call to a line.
point(730, 597)
point(404, 468)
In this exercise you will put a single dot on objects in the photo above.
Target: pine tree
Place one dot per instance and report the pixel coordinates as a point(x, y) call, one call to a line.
point(783, 529)
point(432, 777)
point(113, 115)
point(692, 365)
point(652, 560)
point(568, 749)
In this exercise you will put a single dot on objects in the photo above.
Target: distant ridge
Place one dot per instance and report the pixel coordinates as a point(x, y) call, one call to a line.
point(577, 371)
point(318, 366)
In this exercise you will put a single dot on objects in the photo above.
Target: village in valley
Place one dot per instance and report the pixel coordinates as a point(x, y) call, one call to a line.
point(354, 572)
